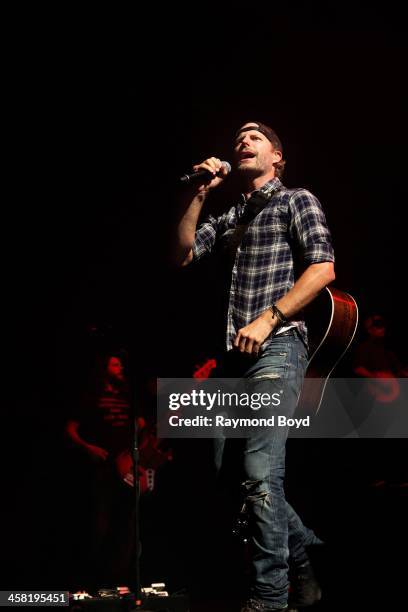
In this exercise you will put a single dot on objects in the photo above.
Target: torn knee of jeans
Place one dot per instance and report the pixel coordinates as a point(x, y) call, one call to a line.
point(267, 376)
point(253, 492)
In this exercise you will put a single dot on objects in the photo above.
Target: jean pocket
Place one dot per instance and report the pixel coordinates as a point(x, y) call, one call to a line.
point(272, 363)
point(277, 346)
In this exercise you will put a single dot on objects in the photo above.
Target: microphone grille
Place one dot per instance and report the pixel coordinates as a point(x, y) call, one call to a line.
point(227, 166)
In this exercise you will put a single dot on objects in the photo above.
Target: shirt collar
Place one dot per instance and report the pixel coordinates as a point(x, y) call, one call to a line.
point(269, 188)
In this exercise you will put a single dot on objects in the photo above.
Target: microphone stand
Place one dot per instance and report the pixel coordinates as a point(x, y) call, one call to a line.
point(137, 584)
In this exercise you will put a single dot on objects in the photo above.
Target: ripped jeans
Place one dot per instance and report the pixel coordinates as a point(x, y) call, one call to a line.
point(274, 525)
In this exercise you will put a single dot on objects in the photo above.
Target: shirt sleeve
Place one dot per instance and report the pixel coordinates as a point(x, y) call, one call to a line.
point(207, 234)
point(309, 228)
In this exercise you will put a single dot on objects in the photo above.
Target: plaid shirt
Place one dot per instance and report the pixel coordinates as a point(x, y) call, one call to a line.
point(290, 230)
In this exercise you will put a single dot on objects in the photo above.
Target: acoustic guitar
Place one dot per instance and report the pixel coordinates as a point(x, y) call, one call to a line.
point(332, 320)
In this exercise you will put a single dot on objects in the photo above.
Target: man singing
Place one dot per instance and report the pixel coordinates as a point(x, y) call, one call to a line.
point(281, 257)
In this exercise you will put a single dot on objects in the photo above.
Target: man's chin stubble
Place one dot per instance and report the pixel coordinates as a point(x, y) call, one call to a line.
point(250, 173)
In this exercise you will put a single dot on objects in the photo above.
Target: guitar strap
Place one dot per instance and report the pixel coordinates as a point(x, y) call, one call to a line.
point(255, 204)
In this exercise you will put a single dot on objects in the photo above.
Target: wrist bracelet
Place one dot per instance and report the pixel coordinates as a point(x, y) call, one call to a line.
point(278, 314)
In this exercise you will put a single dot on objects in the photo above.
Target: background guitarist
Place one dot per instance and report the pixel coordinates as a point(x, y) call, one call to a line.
point(281, 256)
point(374, 359)
point(102, 430)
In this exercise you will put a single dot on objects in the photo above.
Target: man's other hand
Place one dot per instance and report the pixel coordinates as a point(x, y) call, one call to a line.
point(250, 338)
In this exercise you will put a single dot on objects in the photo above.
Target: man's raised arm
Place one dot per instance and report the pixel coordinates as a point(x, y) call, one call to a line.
point(192, 203)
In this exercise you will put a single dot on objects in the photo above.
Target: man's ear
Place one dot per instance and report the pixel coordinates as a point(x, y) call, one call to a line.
point(277, 156)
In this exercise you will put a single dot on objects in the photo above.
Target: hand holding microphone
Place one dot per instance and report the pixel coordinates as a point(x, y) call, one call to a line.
point(208, 175)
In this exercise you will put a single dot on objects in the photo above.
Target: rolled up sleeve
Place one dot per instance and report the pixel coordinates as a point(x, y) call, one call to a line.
point(308, 227)
point(207, 234)
point(205, 238)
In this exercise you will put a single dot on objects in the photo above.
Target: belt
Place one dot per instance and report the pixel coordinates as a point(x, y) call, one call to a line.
point(288, 332)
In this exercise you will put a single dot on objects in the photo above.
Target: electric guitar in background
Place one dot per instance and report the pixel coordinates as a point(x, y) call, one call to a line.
point(151, 455)
point(202, 372)
point(151, 458)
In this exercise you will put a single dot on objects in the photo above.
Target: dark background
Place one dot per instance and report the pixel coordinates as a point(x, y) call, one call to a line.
point(106, 112)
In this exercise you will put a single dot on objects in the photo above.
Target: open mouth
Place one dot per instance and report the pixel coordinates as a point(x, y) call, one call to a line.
point(246, 155)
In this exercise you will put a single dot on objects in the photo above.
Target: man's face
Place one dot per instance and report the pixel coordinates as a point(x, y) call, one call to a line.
point(115, 368)
point(254, 154)
point(376, 328)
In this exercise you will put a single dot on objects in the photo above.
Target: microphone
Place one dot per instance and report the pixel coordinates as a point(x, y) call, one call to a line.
point(200, 174)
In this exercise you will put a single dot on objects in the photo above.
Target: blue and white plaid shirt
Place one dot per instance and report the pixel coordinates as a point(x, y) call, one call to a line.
point(291, 230)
